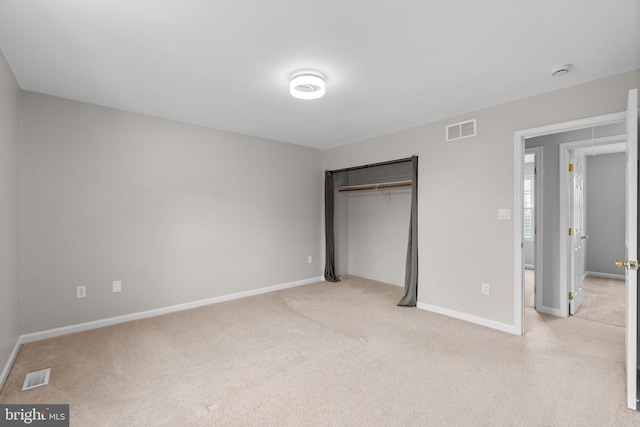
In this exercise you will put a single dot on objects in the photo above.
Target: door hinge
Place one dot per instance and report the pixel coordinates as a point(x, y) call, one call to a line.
point(570, 296)
point(570, 167)
point(571, 232)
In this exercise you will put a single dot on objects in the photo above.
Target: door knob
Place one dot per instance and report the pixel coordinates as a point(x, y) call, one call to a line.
point(631, 265)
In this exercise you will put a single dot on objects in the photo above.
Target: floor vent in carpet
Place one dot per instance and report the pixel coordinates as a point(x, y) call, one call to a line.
point(36, 379)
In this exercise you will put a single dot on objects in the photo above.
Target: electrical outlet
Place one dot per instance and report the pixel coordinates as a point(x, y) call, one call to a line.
point(81, 291)
point(485, 288)
point(309, 259)
point(116, 286)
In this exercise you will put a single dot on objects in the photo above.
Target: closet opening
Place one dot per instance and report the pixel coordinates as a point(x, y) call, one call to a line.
point(371, 224)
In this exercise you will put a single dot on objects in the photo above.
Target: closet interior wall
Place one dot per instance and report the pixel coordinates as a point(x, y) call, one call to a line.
point(372, 226)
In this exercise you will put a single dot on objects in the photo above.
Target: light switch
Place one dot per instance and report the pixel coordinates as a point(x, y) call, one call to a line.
point(504, 213)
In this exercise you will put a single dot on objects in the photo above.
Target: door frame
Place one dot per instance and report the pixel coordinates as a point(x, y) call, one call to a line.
point(518, 208)
point(538, 236)
point(631, 252)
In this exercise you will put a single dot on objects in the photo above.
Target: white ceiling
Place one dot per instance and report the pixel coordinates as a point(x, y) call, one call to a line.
point(390, 65)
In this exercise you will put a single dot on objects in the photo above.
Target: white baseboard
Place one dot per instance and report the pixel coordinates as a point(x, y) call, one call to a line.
point(605, 275)
point(37, 336)
point(469, 318)
point(50, 333)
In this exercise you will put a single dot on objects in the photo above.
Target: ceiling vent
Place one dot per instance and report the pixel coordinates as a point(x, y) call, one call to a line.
point(461, 130)
point(36, 379)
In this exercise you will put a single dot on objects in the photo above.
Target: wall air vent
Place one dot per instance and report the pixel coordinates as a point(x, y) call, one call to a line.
point(36, 379)
point(461, 130)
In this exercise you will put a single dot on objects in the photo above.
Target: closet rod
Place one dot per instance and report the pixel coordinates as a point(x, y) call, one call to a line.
point(376, 186)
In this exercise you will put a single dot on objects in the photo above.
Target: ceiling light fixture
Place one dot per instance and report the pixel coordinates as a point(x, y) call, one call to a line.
point(307, 85)
point(561, 70)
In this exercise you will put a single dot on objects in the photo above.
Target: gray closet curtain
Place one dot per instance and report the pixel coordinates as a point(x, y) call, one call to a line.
point(410, 297)
point(330, 267)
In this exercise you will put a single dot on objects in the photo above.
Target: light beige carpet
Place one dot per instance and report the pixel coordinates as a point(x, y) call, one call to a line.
point(529, 285)
point(331, 354)
point(604, 299)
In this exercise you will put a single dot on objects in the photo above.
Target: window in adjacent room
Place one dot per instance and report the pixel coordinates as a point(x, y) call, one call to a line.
point(529, 184)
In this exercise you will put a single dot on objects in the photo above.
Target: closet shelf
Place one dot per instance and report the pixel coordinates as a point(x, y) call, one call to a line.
point(380, 186)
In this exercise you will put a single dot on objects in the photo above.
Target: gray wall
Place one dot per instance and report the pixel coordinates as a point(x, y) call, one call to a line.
point(378, 234)
point(177, 212)
point(9, 286)
point(605, 197)
point(462, 184)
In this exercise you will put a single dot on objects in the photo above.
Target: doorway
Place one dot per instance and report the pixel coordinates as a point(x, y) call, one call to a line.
point(592, 186)
point(553, 256)
point(594, 205)
point(558, 283)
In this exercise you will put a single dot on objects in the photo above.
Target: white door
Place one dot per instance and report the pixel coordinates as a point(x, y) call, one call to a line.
point(577, 235)
point(631, 276)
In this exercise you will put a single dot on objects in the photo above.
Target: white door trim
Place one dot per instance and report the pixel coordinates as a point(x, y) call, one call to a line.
point(538, 238)
point(518, 208)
